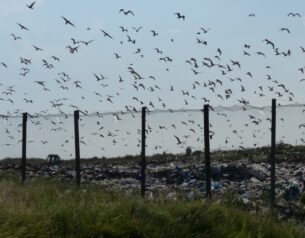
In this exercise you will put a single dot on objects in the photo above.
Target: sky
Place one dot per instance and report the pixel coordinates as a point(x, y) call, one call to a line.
point(187, 62)
point(228, 25)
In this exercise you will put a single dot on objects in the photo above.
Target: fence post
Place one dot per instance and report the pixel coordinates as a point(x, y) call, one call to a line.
point(143, 144)
point(207, 150)
point(273, 130)
point(77, 153)
point(23, 165)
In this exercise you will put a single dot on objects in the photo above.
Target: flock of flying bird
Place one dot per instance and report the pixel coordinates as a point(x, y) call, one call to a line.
point(148, 84)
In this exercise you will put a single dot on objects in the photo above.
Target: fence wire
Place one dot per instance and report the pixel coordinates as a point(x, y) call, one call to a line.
point(119, 133)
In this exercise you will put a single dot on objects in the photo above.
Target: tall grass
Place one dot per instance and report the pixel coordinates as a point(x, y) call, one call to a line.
point(49, 208)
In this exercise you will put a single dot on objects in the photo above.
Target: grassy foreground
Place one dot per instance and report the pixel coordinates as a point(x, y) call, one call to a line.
point(46, 208)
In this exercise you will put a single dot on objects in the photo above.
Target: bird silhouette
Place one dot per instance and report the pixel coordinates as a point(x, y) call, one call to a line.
point(180, 16)
point(137, 29)
point(16, 37)
point(178, 140)
point(22, 27)
point(55, 58)
point(68, 22)
point(294, 14)
point(205, 30)
point(86, 42)
point(123, 29)
point(285, 29)
point(30, 6)
point(106, 34)
point(127, 12)
point(154, 33)
point(3, 64)
point(37, 48)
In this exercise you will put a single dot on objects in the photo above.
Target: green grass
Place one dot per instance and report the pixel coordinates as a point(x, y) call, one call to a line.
point(49, 208)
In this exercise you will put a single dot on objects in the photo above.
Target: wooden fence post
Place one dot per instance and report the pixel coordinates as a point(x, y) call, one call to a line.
point(143, 160)
point(77, 153)
point(272, 160)
point(207, 150)
point(23, 164)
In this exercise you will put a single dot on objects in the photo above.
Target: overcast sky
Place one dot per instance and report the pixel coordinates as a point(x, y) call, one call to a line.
point(121, 55)
point(229, 27)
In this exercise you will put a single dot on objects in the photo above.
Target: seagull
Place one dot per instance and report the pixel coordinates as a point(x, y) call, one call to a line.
point(154, 33)
point(195, 72)
point(22, 27)
point(16, 37)
point(123, 29)
point(251, 15)
point(249, 73)
point(204, 30)
point(37, 48)
point(42, 83)
point(285, 29)
point(137, 29)
point(235, 63)
point(179, 15)
point(3, 64)
point(294, 14)
point(261, 53)
point(117, 56)
point(86, 42)
point(178, 140)
point(68, 22)
point(301, 125)
point(31, 5)
point(72, 49)
point(74, 41)
point(99, 78)
point(55, 58)
point(106, 34)
point(219, 51)
point(126, 12)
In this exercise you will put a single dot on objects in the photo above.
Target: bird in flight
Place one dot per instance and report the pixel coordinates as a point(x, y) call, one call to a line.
point(137, 29)
point(86, 42)
point(3, 64)
point(42, 83)
point(154, 33)
point(31, 5)
point(126, 12)
point(293, 14)
point(72, 49)
point(68, 21)
point(301, 125)
point(106, 34)
point(37, 48)
point(179, 15)
point(285, 29)
point(16, 37)
point(204, 30)
point(99, 78)
point(178, 140)
point(55, 58)
point(22, 27)
point(251, 15)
